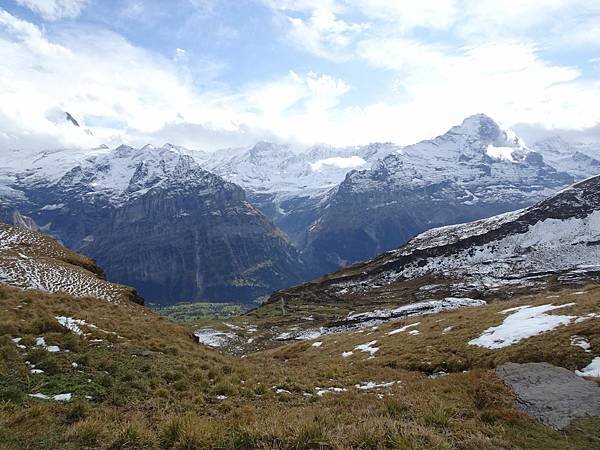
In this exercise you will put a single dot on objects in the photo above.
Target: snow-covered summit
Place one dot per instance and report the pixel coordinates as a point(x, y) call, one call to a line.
point(127, 171)
point(474, 154)
point(474, 170)
point(277, 169)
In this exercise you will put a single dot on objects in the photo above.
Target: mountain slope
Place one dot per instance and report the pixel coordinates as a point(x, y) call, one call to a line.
point(288, 186)
point(557, 237)
point(475, 170)
point(156, 220)
point(578, 159)
point(84, 373)
point(30, 260)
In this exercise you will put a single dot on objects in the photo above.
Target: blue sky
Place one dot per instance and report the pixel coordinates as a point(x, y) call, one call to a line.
point(208, 74)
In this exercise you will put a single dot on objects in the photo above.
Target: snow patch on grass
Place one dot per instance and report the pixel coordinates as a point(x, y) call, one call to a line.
point(404, 328)
point(212, 337)
point(367, 348)
point(72, 324)
point(322, 391)
point(58, 397)
point(419, 308)
point(581, 342)
point(522, 323)
point(591, 370)
point(373, 385)
point(41, 342)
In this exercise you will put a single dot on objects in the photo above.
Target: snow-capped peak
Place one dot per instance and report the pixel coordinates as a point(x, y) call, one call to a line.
point(480, 125)
point(127, 170)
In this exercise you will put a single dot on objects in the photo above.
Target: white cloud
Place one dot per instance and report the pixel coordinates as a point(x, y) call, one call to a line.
point(125, 93)
point(509, 81)
point(89, 73)
point(500, 17)
point(411, 14)
point(303, 5)
point(323, 34)
point(55, 9)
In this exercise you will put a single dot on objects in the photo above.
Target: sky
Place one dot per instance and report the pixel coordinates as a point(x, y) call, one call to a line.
point(210, 74)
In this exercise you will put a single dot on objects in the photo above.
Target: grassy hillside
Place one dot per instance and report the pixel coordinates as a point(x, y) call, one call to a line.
point(141, 381)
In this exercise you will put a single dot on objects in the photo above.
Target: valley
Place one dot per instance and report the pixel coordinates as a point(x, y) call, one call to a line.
point(376, 355)
point(299, 225)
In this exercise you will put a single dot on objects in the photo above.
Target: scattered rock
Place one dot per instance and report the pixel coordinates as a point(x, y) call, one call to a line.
point(553, 395)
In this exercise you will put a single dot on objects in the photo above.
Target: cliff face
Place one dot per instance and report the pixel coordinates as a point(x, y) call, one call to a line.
point(157, 221)
point(195, 237)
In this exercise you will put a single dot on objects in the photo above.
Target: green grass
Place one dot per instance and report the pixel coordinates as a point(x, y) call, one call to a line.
point(185, 312)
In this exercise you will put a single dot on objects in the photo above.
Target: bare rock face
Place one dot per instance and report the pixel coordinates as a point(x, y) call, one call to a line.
point(553, 395)
point(155, 220)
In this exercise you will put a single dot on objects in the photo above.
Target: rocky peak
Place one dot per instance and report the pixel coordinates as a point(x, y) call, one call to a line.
point(480, 126)
point(122, 151)
point(474, 170)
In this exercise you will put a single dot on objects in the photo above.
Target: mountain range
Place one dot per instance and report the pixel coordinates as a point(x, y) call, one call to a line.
point(236, 224)
point(475, 335)
point(158, 221)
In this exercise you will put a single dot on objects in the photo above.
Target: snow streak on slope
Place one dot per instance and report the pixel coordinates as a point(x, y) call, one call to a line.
point(51, 276)
point(30, 260)
point(551, 244)
point(558, 236)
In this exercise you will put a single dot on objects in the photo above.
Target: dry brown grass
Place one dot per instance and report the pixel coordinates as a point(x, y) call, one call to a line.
point(156, 388)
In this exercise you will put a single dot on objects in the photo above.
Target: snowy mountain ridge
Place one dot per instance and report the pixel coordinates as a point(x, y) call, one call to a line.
point(474, 170)
point(558, 236)
point(582, 160)
point(273, 168)
point(555, 240)
point(158, 221)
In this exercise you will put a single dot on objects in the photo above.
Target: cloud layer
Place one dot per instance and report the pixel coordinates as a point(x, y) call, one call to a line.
point(336, 71)
point(55, 9)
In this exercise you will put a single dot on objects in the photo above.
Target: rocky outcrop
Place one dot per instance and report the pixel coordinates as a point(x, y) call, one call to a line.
point(553, 395)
